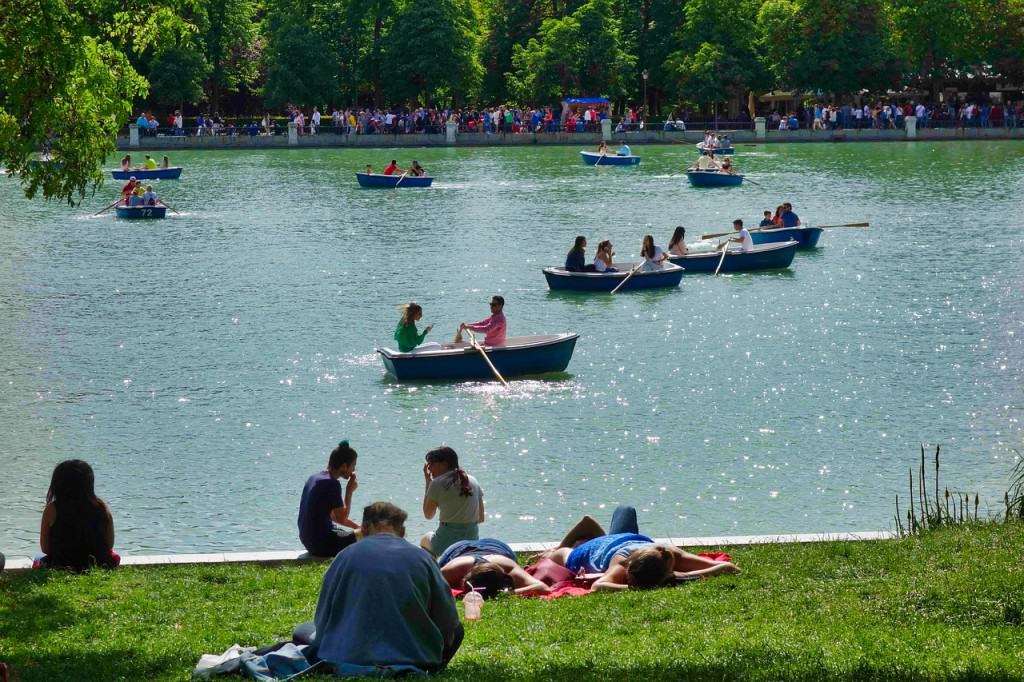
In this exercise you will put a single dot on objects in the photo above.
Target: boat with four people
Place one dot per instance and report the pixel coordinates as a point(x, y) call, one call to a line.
point(560, 279)
point(142, 212)
point(172, 173)
point(518, 356)
point(711, 178)
point(596, 159)
point(774, 256)
point(807, 236)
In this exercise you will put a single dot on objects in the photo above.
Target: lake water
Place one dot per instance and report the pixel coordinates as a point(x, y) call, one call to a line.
point(206, 364)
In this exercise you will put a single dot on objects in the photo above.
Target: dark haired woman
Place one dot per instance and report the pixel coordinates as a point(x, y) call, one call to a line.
point(77, 530)
point(456, 494)
point(654, 257)
point(321, 505)
point(489, 566)
point(576, 260)
point(406, 334)
point(677, 245)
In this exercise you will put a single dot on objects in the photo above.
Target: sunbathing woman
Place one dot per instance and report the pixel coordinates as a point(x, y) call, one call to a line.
point(627, 558)
point(458, 497)
point(489, 565)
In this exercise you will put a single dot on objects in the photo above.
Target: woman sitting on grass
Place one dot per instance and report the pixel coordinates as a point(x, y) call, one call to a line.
point(627, 558)
point(458, 497)
point(488, 565)
point(77, 529)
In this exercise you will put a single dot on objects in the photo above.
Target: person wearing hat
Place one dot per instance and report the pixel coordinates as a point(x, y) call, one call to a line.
point(493, 326)
point(321, 506)
point(128, 189)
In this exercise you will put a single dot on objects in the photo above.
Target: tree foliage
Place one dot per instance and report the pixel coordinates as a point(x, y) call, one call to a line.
point(63, 90)
point(302, 70)
point(177, 75)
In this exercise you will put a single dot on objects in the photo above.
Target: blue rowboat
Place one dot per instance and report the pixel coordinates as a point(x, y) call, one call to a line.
point(560, 279)
point(142, 174)
point(724, 151)
point(807, 236)
point(699, 178)
point(595, 159)
point(521, 355)
point(392, 181)
point(142, 212)
point(762, 257)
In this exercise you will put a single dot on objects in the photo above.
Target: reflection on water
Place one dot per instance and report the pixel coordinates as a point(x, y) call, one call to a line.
point(207, 363)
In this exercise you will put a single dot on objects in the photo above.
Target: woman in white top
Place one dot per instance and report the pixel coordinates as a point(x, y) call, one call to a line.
point(677, 245)
point(654, 257)
point(456, 494)
point(603, 257)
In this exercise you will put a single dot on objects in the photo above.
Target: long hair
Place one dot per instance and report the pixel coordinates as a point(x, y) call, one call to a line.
point(650, 567)
point(72, 484)
point(606, 245)
point(577, 246)
point(409, 311)
point(677, 236)
point(446, 455)
point(79, 534)
point(647, 250)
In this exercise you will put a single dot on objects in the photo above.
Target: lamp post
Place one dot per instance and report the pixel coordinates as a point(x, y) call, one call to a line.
point(644, 73)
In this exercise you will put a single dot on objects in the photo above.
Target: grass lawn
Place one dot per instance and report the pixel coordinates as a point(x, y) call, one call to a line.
point(946, 606)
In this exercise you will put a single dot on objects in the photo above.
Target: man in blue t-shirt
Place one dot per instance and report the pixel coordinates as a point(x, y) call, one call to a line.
point(384, 604)
point(322, 506)
point(789, 219)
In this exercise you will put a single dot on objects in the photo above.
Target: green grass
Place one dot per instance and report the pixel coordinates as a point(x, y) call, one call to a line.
point(948, 605)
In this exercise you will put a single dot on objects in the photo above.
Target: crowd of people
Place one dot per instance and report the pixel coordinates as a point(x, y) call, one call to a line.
point(385, 602)
point(881, 116)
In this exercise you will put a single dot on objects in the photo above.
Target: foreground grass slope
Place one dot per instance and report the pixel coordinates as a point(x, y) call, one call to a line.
point(947, 606)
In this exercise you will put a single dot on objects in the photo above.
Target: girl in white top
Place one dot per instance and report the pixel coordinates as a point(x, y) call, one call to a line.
point(603, 257)
point(456, 494)
point(677, 245)
point(654, 257)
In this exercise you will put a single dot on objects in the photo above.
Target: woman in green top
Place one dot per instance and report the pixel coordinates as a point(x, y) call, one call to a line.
point(406, 334)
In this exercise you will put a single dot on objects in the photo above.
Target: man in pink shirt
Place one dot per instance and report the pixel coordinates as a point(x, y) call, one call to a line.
point(493, 326)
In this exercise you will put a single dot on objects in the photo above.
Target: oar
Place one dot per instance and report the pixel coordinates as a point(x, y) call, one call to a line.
point(401, 178)
point(472, 340)
point(632, 272)
point(846, 225)
point(756, 184)
point(716, 235)
point(598, 162)
point(169, 206)
point(107, 208)
point(725, 249)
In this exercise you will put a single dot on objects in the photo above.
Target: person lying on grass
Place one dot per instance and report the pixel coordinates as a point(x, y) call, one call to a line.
point(627, 558)
point(489, 566)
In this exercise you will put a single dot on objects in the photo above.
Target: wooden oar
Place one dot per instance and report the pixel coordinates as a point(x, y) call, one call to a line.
point(632, 272)
point(170, 207)
point(401, 178)
point(107, 208)
point(473, 341)
point(755, 184)
point(725, 249)
point(598, 162)
point(845, 225)
point(716, 235)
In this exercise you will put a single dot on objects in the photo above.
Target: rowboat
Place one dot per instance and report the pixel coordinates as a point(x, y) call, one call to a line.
point(560, 279)
point(762, 257)
point(521, 355)
point(806, 235)
point(142, 212)
point(725, 151)
point(595, 159)
point(377, 180)
point(172, 173)
point(699, 178)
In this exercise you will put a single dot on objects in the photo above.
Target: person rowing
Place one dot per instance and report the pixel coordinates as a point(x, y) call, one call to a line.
point(706, 162)
point(742, 238)
point(128, 189)
point(493, 327)
point(393, 168)
point(602, 148)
